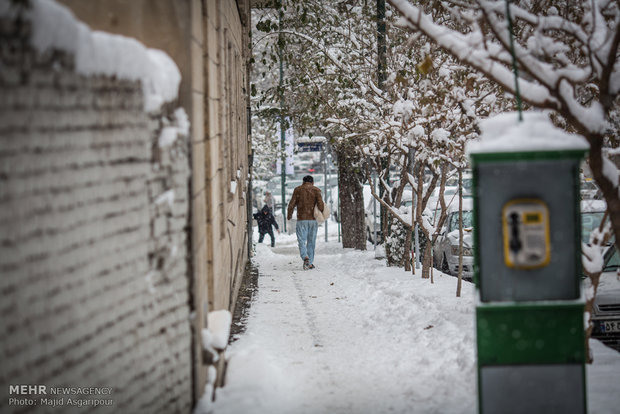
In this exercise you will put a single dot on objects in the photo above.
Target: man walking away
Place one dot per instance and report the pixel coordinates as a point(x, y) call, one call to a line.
point(305, 197)
point(265, 220)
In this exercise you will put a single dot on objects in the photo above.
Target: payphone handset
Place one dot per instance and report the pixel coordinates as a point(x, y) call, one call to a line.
point(525, 224)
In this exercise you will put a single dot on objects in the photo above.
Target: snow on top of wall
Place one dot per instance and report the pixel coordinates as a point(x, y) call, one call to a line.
point(99, 53)
point(505, 133)
point(593, 206)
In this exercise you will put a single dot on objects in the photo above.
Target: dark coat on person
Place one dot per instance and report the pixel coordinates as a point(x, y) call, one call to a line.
point(265, 220)
point(305, 197)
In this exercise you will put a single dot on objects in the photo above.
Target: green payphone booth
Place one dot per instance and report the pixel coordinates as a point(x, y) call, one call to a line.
point(529, 311)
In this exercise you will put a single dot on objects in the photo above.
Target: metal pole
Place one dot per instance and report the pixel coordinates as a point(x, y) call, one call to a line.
point(283, 174)
point(460, 269)
point(374, 210)
point(282, 135)
point(338, 206)
point(249, 202)
point(515, 68)
point(381, 66)
point(381, 43)
point(325, 180)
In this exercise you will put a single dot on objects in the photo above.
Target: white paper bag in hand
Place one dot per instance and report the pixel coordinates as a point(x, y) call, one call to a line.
point(321, 216)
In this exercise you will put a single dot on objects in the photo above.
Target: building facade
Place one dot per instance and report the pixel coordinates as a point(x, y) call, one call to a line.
point(117, 240)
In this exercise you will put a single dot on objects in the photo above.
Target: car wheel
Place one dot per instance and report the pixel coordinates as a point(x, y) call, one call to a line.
point(444, 265)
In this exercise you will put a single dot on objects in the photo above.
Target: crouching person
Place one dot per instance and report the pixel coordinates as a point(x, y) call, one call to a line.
point(265, 221)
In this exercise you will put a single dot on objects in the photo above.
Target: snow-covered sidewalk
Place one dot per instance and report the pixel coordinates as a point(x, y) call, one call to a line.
point(354, 336)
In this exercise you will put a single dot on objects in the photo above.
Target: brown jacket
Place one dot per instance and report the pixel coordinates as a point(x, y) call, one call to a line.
point(304, 198)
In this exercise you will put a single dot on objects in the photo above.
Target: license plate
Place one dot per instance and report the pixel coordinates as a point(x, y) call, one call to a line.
point(611, 326)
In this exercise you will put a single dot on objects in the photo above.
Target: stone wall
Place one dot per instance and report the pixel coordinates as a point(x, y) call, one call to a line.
point(208, 40)
point(94, 219)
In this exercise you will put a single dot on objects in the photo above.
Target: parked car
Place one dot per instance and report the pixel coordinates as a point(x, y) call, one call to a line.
point(446, 248)
point(450, 196)
point(589, 190)
point(372, 220)
point(333, 202)
point(606, 310)
point(274, 184)
point(371, 225)
point(467, 179)
point(592, 212)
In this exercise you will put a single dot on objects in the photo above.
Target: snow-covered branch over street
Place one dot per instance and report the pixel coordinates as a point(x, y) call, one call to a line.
point(564, 57)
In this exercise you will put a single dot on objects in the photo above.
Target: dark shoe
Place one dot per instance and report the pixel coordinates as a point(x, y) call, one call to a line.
point(311, 266)
point(306, 263)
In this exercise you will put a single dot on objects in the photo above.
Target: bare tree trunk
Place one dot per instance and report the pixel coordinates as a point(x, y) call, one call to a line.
point(427, 262)
point(608, 188)
point(351, 198)
point(407, 252)
point(416, 242)
point(384, 222)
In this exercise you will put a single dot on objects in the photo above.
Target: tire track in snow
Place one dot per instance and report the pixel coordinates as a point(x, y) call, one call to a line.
point(329, 390)
point(286, 250)
point(322, 387)
point(310, 317)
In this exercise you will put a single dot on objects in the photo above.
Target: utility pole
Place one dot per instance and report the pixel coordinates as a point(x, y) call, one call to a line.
point(381, 48)
point(374, 213)
point(326, 166)
point(282, 135)
point(414, 207)
point(339, 220)
point(250, 197)
point(381, 66)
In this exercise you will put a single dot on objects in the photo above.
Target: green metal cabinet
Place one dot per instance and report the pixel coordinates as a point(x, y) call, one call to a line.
point(529, 310)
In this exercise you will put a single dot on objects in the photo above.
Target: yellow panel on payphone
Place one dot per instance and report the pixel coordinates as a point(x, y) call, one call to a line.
point(525, 225)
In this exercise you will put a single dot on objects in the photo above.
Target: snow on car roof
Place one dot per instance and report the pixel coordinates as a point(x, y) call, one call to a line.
point(468, 205)
point(593, 206)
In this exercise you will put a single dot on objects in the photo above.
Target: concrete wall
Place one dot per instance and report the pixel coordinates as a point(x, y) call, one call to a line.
point(208, 40)
point(94, 288)
point(226, 147)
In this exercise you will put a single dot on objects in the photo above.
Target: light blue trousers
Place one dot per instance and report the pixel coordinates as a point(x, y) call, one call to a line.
point(306, 238)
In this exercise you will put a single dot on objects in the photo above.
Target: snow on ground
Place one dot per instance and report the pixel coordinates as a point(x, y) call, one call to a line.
point(603, 378)
point(354, 336)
